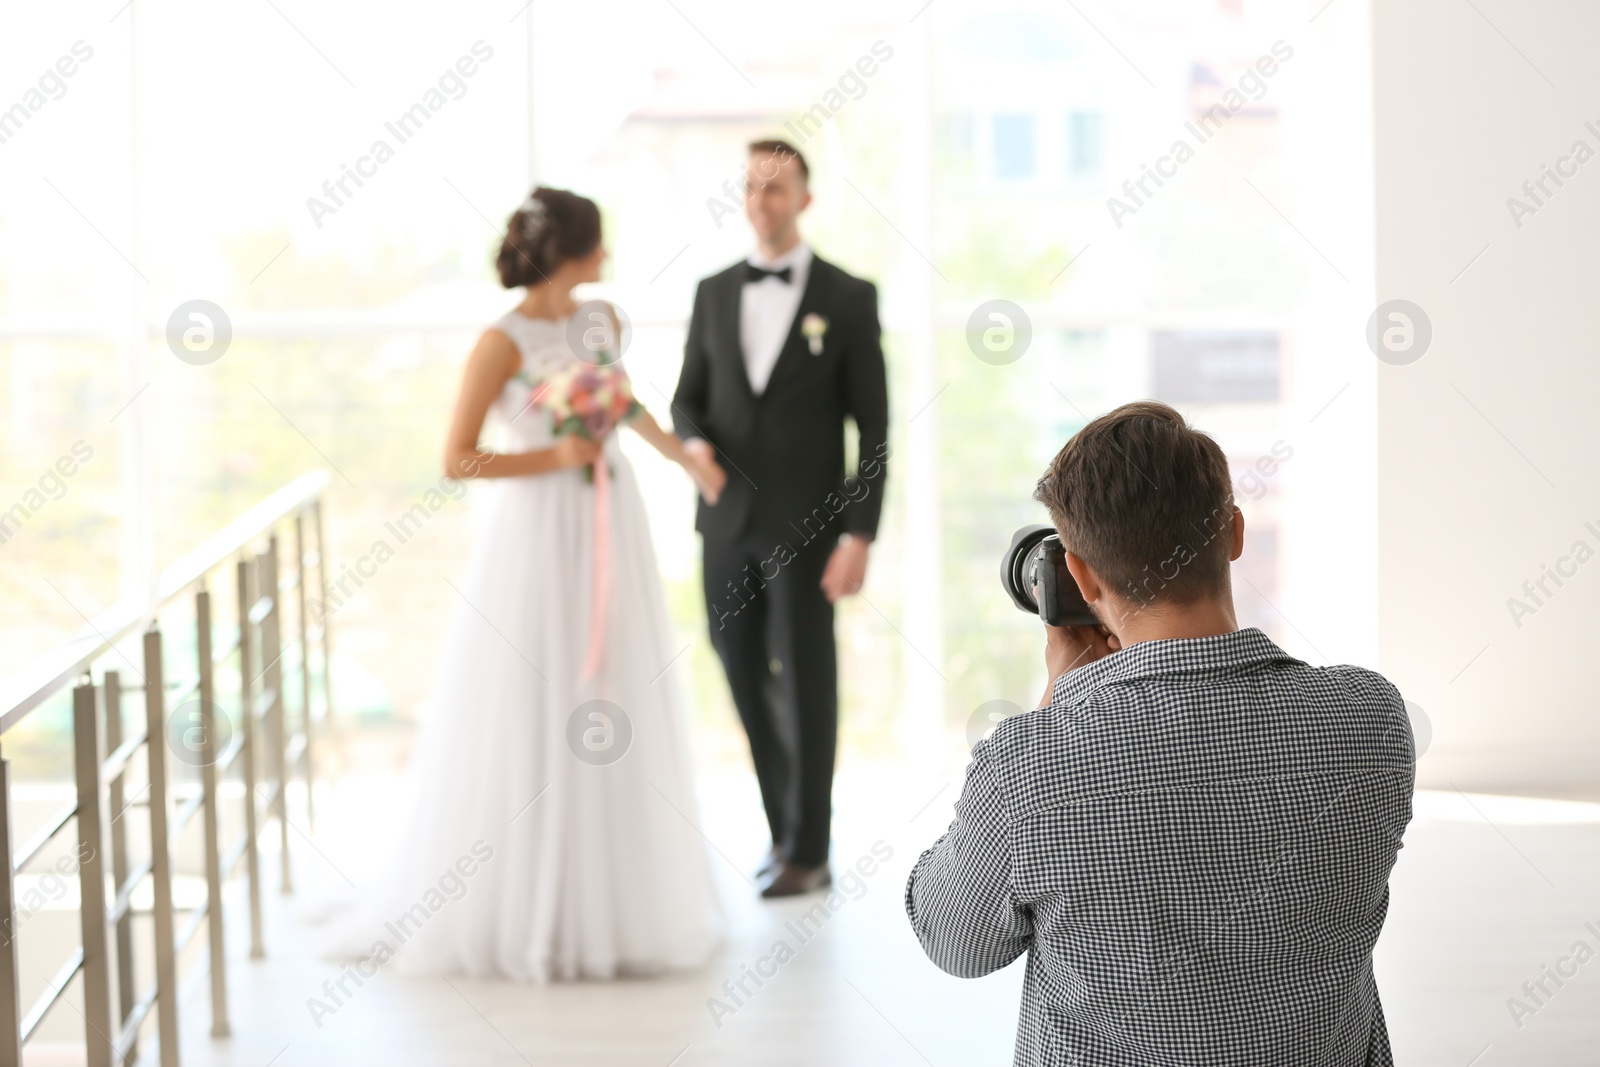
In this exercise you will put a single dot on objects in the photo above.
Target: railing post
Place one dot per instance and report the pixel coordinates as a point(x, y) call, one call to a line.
point(210, 814)
point(127, 992)
point(322, 596)
point(301, 581)
point(155, 710)
point(272, 652)
point(87, 754)
point(10, 994)
point(247, 753)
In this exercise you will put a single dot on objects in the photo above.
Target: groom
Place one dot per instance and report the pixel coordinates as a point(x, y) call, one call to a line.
point(782, 348)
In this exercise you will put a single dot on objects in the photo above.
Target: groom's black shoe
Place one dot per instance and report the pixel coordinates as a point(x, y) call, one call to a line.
point(791, 881)
point(770, 864)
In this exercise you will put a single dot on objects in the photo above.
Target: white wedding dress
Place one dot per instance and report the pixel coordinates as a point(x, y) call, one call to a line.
point(595, 864)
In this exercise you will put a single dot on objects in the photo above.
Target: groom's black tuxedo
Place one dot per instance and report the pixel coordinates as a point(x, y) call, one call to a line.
point(784, 451)
point(788, 498)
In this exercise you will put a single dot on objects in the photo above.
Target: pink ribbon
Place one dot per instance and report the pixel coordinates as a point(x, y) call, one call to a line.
point(602, 568)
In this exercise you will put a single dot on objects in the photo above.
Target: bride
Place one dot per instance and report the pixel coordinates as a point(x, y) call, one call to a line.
point(555, 836)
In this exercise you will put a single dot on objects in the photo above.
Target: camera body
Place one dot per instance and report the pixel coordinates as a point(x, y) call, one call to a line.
point(1034, 575)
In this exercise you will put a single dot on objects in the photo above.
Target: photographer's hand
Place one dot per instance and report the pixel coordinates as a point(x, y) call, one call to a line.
point(1066, 648)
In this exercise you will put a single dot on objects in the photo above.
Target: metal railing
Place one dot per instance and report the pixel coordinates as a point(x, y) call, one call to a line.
point(264, 750)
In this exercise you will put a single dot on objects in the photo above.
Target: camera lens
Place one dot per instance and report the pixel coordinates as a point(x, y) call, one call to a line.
point(1019, 566)
point(1034, 575)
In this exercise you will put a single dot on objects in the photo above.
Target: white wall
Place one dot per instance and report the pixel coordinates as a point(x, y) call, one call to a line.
point(1487, 463)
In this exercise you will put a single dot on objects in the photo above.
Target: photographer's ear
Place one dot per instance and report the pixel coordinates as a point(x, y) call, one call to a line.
point(1111, 612)
point(1237, 548)
point(1088, 584)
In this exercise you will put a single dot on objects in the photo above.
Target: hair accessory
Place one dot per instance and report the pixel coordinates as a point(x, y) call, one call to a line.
point(534, 214)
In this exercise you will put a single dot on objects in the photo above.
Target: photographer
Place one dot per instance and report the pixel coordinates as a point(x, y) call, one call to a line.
point(1192, 836)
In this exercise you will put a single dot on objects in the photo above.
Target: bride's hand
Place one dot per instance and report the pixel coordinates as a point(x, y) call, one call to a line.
point(575, 450)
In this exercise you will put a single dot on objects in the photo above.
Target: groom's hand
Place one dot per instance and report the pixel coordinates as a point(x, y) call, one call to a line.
point(847, 568)
point(708, 475)
point(709, 478)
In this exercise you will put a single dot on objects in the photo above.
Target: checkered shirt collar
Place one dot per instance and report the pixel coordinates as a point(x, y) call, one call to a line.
point(1150, 659)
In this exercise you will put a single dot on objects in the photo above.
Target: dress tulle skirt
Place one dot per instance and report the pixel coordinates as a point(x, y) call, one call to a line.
point(556, 834)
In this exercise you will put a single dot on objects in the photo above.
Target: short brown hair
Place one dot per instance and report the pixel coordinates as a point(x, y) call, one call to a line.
point(785, 149)
point(1146, 501)
point(551, 227)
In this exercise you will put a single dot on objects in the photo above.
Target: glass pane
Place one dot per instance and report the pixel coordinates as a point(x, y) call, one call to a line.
point(1014, 148)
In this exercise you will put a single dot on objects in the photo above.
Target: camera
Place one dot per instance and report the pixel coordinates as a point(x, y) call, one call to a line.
point(1034, 574)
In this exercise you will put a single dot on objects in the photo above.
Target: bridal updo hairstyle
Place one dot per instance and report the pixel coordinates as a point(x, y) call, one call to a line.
point(551, 227)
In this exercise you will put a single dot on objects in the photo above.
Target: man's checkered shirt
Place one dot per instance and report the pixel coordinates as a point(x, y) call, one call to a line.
point(1192, 843)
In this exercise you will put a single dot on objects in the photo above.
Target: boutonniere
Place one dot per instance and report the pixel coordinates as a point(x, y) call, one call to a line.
point(813, 327)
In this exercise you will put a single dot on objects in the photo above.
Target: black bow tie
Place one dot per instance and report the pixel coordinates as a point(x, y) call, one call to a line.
point(753, 273)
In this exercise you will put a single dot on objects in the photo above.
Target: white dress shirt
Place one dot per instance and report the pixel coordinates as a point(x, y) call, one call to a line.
point(766, 312)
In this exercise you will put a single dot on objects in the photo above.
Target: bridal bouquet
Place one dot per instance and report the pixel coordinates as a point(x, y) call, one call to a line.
point(586, 399)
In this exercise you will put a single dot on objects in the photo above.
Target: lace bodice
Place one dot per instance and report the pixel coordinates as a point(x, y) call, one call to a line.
point(544, 347)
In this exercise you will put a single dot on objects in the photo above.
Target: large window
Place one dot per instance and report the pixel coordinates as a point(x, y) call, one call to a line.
point(331, 181)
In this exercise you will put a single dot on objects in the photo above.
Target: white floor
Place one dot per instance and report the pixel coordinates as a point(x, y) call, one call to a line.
point(1488, 891)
